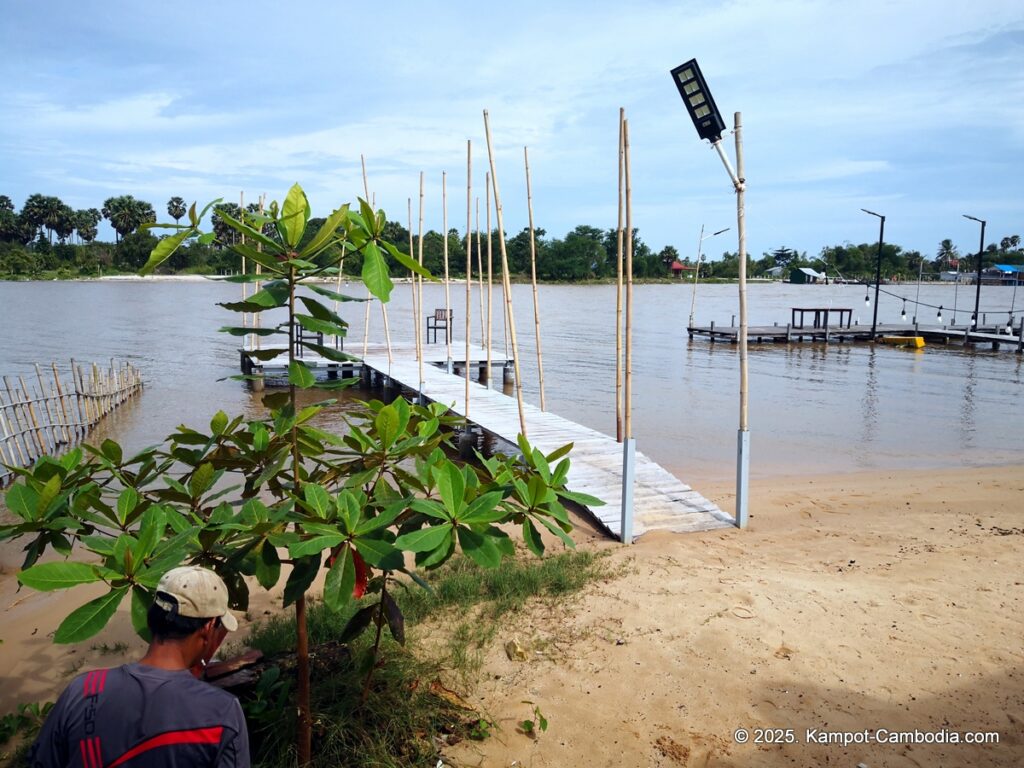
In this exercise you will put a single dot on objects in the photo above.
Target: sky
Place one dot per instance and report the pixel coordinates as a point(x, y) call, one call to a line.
point(913, 109)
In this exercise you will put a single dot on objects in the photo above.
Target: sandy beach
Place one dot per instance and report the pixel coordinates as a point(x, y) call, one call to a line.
point(853, 603)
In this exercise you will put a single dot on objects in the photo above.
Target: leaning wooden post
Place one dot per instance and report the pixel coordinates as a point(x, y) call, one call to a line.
point(490, 276)
point(256, 317)
point(506, 282)
point(415, 308)
point(6, 451)
point(618, 292)
point(533, 278)
point(12, 431)
point(419, 297)
point(469, 264)
point(628, 443)
point(448, 323)
point(245, 287)
point(51, 415)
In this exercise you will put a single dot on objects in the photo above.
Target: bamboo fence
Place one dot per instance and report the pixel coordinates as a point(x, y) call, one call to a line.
point(44, 417)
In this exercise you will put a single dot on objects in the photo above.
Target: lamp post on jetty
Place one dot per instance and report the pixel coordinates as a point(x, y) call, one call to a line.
point(878, 268)
point(977, 293)
point(709, 124)
point(696, 271)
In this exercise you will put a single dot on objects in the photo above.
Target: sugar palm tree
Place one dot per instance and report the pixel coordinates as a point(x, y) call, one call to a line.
point(176, 208)
point(947, 253)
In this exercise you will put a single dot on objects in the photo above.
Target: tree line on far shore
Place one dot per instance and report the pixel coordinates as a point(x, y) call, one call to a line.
point(48, 238)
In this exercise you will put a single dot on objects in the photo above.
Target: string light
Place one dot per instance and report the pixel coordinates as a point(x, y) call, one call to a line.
point(1009, 323)
point(867, 298)
point(940, 314)
point(903, 313)
point(974, 319)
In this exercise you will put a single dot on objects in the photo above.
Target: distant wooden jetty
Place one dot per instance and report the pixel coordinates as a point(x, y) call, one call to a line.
point(813, 324)
point(661, 501)
point(48, 415)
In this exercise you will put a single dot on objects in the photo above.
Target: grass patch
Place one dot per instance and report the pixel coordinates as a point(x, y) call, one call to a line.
point(409, 715)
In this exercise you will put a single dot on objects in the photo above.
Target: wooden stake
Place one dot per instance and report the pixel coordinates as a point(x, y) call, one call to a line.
point(533, 278)
point(505, 278)
point(415, 305)
point(245, 290)
point(628, 392)
point(480, 275)
point(12, 437)
point(448, 323)
point(51, 415)
point(490, 276)
point(256, 342)
point(37, 430)
point(469, 262)
point(419, 294)
point(618, 291)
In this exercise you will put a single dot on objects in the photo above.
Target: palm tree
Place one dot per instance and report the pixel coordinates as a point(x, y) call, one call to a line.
point(126, 214)
point(64, 222)
point(6, 204)
point(176, 208)
point(85, 224)
point(947, 253)
point(34, 212)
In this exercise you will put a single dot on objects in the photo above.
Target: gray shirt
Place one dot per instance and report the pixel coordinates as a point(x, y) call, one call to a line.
point(142, 717)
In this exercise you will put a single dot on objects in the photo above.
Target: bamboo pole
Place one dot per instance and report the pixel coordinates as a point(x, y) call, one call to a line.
point(449, 320)
point(618, 290)
point(38, 433)
point(86, 399)
point(505, 277)
point(51, 415)
point(245, 290)
point(383, 306)
point(415, 305)
point(490, 276)
point(743, 437)
point(480, 275)
point(533, 278)
point(13, 436)
point(628, 391)
point(256, 317)
point(469, 262)
point(20, 427)
point(418, 282)
point(6, 451)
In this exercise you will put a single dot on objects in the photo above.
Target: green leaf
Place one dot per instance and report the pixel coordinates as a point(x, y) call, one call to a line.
point(23, 501)
point(49, 576)
point(387, 427)
point(319, 311)
point(112, 451)
point(268, 565)
point(320, 326)
point(246, 331)
point(260, 438)
point(394, 617)
point(314, 545)
point(266, 260)
point(341, 580)
point(479, 548)
point(483, 509)
point(532, 537)
point(47, 495)
point(300, 375)
point(302, 575)
point(581, 498)
point(126, 503)
point(558, 453)
point(165, 248)
point(318, 500)
point(249, 232)
point(294, 215)
point(405, 260)
point(326, 233)
point(201, 480)
point(329, 353)
point(375, 273)
point(333, 295)
point(141, 600)
point(84, 622)
point(379, 554)
point(451, 485)
point(425, 539)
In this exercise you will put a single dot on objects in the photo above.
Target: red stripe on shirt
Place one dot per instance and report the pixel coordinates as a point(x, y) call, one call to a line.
point(192, 736)
point(102, 674)
point(85, 754)
point(86, 684)
point(94, 746)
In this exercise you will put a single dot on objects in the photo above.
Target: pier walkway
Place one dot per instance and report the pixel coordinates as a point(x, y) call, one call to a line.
point(660, 500)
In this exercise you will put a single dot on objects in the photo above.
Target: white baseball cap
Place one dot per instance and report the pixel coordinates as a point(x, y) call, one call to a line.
point(200, 594)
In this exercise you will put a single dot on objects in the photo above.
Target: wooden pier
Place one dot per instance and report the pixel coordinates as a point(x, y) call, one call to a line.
point(995, 336)
point(661, 501)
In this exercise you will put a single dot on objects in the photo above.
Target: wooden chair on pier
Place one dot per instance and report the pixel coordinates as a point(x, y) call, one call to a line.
point(441, 320)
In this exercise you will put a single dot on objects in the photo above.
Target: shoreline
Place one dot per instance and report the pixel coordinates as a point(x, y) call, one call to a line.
point(860, 600)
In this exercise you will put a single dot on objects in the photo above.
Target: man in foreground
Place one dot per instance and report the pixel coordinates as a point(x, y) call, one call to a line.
point(154, 712)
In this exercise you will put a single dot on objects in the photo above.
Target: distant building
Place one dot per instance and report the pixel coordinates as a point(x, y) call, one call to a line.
point(678, 268)
point(803, 275)
point(1006, 274)
point(775, 273)
point(952, 277)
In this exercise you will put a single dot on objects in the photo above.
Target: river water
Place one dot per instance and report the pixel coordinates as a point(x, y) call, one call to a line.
point(814, 408)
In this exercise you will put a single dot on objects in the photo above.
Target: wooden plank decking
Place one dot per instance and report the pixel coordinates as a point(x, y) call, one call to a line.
point(661, 501)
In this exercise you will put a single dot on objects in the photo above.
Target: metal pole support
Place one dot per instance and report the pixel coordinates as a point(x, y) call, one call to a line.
point(628, 481)
point(742, 477)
